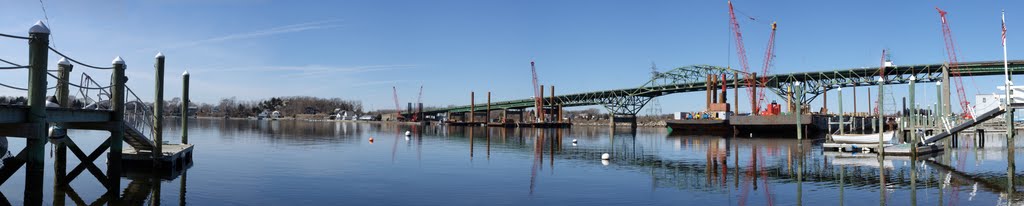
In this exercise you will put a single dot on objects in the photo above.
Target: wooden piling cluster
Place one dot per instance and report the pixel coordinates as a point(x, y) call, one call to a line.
point(39, 125)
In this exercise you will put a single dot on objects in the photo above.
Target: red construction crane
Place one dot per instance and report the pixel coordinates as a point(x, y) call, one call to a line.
point(742, 55)
point(538, 99)
point(954, 67)
point(769, 54)
point(398, 109)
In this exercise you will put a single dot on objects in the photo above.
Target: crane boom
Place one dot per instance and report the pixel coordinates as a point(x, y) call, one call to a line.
point(769, 54)
point(742, 55)
point(398, 109)
point(536, 92)
point(954, 67)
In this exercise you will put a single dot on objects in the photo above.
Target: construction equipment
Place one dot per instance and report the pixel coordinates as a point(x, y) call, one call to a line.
point(769, 54)
point(538, 97)
point(954, 67)
point(751, 82)
point(398, 109)
point(741, 52)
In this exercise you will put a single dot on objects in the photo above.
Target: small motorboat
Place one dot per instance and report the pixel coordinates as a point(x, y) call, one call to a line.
point(863, 138)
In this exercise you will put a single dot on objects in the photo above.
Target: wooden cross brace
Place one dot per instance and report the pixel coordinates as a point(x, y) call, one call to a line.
point(87, 161)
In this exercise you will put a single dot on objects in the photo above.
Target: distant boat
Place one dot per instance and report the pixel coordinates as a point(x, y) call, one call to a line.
point(862, 138)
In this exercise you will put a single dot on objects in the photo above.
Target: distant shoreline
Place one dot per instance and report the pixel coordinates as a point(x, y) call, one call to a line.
point(655, 124)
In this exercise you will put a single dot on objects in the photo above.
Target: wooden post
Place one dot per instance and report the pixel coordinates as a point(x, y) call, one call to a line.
point(824, 99)
point(913, 119)
point(855, 99)
point(869, 102)
point(184, 109)
point(789, 99)
point(35, 146)
point(540, 108)
point(753, 96)
point(881, 117)
point(842, 119)
point(472, 107)
point(117, 134)
point(798, 113)
point(560, 113)
point(946, 107)
point(158, 111)
point(60, 160)
point(551, 100)
point(735, 92)
point(488, 120)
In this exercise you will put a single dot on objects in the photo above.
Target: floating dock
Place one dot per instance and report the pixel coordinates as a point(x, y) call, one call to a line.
point(890, 149)
point(175, 156)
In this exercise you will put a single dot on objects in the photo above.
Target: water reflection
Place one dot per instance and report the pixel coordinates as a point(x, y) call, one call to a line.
point(143, 188)
point(707, 169)
point(757, 164)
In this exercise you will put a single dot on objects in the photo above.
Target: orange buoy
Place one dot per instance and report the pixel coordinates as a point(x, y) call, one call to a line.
point(371, 140)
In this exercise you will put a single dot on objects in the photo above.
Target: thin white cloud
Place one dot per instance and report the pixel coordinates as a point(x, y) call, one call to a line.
point(325, 24)
point(311, 70)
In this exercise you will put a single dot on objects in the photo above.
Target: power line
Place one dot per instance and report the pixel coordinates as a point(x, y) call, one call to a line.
point(48, 24)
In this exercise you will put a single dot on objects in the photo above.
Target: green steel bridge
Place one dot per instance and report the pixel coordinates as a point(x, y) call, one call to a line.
point(630, 101)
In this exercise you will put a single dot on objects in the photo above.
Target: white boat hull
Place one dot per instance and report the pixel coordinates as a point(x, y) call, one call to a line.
point(862, 138)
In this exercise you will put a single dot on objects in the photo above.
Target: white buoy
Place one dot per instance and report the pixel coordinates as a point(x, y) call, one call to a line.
point(606, 156)
point(574, 141)
point(407, 133)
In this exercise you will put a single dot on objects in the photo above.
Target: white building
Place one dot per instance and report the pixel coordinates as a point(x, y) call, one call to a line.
point(986, 102)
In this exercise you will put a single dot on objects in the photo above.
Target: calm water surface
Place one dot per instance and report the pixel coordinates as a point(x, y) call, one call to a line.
point(248, 162)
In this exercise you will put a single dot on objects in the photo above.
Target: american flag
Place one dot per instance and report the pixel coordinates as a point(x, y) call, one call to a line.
point(1004, 29)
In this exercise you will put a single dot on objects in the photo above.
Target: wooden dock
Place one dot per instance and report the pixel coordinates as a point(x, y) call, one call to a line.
point(890, 149)
point(174, 156)
point(904, 149)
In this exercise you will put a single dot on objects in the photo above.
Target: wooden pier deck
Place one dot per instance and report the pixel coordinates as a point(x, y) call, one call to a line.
point(174, 156)
point(890, 149)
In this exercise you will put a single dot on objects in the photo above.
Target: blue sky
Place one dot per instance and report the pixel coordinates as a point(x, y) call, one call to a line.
point(360, 49)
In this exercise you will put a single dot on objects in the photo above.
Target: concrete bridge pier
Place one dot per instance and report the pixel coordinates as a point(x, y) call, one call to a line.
point(629, 119)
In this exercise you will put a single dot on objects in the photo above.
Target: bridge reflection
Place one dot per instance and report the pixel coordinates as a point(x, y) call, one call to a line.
point(724, 165)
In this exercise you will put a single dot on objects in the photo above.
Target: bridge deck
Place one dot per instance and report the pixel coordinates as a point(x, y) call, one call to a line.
point(815, 83)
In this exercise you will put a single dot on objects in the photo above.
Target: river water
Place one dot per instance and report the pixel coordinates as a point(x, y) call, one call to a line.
point(287, 162)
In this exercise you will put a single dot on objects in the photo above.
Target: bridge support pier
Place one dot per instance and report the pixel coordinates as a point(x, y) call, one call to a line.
point(629, 119)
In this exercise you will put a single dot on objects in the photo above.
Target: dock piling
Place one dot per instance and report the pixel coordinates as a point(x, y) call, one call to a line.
point(60, 159)
point(184, 107)
point(158, 110)
point(842, 119)
point(117, 118)
point(35, 146)
point(881, 116)
point(798, 113)
point(913, 119)
point(488, 120)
